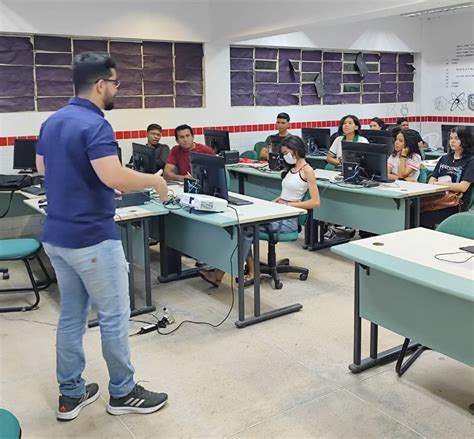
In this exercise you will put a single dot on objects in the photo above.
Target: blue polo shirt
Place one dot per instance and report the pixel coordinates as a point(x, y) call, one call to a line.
point(80, 207)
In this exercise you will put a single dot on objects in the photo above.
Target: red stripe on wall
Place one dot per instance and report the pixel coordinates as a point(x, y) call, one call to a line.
point(169, 132)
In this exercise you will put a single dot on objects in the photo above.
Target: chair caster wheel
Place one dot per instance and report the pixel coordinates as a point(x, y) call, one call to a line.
point(278, 285)
point(303, 276)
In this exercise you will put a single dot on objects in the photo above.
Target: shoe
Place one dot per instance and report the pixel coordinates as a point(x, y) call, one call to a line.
point(139, 400)
point(205, 276)
point(69, 408)
point(330, 234)
point(247, 280)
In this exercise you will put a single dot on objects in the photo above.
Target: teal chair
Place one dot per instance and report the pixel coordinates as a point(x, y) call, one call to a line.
point(251, 154)
point(424, 175)
point(9, 425)
point(274, 267)
point(330, 167)
point(24, 249)
point(459, 224)
point(258, 147)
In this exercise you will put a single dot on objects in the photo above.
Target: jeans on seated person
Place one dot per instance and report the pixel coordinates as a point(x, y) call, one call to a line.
point(96, 275)
point(288, 225)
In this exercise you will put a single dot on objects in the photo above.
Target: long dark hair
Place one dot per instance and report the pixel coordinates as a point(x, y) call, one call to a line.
point(410, 138)
point(354, 118)
point(465, 137)
point(296, 144)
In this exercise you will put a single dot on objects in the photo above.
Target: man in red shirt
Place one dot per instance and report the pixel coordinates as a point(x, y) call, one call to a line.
point(178, 166)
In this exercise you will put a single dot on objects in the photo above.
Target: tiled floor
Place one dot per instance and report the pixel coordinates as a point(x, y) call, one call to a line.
point(287, 377)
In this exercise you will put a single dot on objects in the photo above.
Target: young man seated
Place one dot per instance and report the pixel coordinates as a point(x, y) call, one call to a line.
point(153, 134)
point(282, 125)
point(178, 165)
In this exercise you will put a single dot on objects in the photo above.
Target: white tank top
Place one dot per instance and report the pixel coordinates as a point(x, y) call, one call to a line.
point(293, 187)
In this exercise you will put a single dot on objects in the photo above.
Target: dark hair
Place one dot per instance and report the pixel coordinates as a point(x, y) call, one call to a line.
point(154, 126)
point(379, 122)
point(401, 120)
point(88, 68)
point(296, 144)
point(411, 142)
point(354, 118)
point(181, 128)
point(283, 116)
point(465, 137)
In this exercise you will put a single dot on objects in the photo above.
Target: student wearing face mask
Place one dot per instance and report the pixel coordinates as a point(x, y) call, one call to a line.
point(295, 184)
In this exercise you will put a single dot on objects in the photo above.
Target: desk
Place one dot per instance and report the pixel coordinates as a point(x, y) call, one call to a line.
point(384, 209)
point(219, 240)
point(125, 218)
point(433, 155)
point(401, 286)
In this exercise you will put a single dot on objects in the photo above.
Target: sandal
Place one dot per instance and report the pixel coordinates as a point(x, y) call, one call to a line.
point(247, 280)
point(204, 276)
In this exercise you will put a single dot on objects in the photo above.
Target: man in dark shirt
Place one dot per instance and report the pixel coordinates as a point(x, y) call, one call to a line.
point(282, 124)
point(153, 134)
point(404, 124)
point(77, 154)
point(178, 165)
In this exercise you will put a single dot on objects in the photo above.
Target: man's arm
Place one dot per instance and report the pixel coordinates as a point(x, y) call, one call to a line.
point(114, 175)
point(170, 173)
point(40, 164)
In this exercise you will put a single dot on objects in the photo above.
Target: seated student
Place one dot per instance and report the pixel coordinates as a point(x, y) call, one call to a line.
point(404, 124)
point(178, 165)
point(376, 124)
point(153, 134)
point(297, 181)
point(282, 125)
point(404, 163)
point(456, 170)
point(350, 126)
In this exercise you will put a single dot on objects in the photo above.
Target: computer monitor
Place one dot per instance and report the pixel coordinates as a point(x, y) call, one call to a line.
point(144, 159)
point(380, 137)
point(24, 155)
point(364, 161)
point(275, 142)
point(446, 129)
point(217, 140)
point(316, 139)
point(209, 171)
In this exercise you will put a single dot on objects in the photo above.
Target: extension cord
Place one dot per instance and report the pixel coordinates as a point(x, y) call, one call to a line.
point(148, 328)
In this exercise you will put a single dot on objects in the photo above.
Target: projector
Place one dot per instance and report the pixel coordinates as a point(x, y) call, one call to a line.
point(203, 202)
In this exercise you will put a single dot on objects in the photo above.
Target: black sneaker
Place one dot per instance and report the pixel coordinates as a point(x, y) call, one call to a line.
point(139, 400)
point(69, 408)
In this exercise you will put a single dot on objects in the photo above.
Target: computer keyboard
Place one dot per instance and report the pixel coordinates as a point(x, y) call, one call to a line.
point(34, 190)
point(238, 201)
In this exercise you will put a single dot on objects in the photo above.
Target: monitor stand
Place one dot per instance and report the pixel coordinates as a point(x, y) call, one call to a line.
point(27, 171)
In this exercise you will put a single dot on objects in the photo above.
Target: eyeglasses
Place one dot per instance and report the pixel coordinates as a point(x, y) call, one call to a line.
point(116, 82)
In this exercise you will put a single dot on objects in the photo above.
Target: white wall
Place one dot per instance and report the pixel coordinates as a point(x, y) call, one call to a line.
point(190, 22)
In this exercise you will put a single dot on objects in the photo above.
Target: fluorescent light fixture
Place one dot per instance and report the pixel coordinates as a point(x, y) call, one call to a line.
point(439, 10)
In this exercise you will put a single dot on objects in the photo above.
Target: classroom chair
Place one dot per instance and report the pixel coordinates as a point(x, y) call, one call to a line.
point(274, 267)
point(249, 155)
point(9, 425)
point(258, 147)
point(24, 249)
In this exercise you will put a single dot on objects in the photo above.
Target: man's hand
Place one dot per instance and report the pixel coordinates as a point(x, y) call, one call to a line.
point(160, 185)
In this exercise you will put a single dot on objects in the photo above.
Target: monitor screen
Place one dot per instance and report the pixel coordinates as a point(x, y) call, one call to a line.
point(364, 161)
point(144, 158)
point(316, 139)
point(380, 137)
point(217, 140)
point(24, 154)
point(209, 171)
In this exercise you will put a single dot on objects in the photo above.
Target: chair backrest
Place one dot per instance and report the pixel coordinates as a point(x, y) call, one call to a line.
point(330, 167)
point(258, 147)
point(10, 427)
point(424, 175)
point(459, 224)
point(249, 155)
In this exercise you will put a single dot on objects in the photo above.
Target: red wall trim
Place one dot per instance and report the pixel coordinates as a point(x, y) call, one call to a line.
point(169, 132)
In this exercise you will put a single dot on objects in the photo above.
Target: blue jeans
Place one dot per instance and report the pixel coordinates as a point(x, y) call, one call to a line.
point(96, 275)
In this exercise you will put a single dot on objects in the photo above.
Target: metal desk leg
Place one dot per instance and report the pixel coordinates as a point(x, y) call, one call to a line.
point(256, 283)
point(131, 265)
point(416, 212)
point(241, 183)
point(375, 359)
point(240, 275)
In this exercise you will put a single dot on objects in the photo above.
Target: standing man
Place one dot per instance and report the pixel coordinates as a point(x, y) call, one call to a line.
point(282, 124)
point(77, 154)
point(178, 165)
point(153, 134)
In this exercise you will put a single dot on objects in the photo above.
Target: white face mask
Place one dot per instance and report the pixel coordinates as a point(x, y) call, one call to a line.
point(289, 158)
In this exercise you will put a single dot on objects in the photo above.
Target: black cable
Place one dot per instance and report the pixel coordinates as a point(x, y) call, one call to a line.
point(4, 214)
point(453, 253)
point(231, 288)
